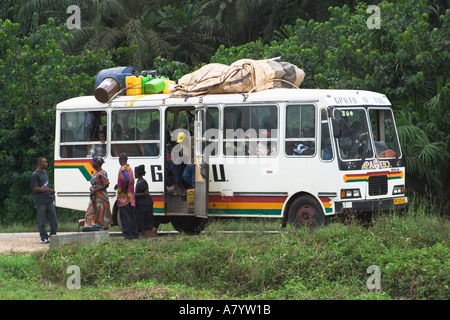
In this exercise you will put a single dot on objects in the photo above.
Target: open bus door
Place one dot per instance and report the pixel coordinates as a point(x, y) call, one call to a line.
point(186, 211)
point(201, 165)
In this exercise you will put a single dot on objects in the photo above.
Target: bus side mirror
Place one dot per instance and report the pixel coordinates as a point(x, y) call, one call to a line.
point(336, 124)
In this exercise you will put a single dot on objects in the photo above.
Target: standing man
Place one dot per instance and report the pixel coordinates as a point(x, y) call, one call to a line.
point(44, 197)
point(125, 198)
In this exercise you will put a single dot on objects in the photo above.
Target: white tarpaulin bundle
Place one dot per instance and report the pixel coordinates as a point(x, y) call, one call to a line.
point(241, 76)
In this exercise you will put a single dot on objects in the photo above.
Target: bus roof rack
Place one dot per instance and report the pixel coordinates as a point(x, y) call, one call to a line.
point(246, 94)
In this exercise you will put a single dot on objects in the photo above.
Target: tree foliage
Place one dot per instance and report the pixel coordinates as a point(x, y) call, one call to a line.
point(160, 27)
point(34, 75)
point(343, 52)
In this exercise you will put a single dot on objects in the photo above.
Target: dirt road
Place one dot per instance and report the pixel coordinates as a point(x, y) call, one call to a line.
point(28, 241)
point(31, 242)
point(21, 242)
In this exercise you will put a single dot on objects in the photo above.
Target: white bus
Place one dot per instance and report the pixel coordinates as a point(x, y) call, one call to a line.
point(299, 155)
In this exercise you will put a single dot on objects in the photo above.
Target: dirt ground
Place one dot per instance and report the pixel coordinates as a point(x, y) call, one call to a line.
point(31, 242)
point(21, 242)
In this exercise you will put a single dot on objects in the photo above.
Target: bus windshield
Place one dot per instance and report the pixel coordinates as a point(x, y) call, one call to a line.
point(354, 142)
point(365, 134)
point(384, 133)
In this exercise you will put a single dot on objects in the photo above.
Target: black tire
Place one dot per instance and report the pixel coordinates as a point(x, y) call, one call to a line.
point(305, 211)
point(189, 225)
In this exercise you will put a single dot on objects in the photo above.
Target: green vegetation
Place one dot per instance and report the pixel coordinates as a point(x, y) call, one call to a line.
point(411, 251)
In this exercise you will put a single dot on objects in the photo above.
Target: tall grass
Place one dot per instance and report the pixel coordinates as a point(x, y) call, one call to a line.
point(410, 249)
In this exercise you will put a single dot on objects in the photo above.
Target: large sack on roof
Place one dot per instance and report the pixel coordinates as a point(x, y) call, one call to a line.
point(200, 81)
point(241, 76)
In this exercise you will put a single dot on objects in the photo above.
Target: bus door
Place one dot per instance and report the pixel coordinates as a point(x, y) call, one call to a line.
point(201, 162)
point(182, 198)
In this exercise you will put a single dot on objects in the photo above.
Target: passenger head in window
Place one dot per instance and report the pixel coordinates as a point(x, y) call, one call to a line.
point(117, 131)
point(305, 147)
point(154, 130)
point(102, 137)
point(308, 132)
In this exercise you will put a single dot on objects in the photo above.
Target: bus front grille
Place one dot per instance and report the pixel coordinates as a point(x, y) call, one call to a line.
point(378, 185)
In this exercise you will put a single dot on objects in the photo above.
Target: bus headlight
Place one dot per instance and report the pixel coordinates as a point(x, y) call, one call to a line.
point(399, 189)
point(350, 193)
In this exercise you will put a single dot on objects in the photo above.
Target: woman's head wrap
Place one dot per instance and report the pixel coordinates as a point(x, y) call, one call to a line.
point(140, 170)
point(98, 159)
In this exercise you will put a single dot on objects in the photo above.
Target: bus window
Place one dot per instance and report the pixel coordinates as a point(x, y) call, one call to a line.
point(179, 118)
point(326, 150)
point(383, 130)
point(136, 132)
point(251, 130)
point(300, 130)
point(354, 142)
point(83, 134)
point(186, 120)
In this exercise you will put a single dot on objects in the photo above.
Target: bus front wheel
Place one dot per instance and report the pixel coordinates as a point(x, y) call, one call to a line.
point(306, 212)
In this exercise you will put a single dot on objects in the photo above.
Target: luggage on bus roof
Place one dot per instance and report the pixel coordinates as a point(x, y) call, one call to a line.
point(240, 77)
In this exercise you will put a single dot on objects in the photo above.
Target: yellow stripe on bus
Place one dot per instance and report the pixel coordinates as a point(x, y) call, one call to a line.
point(244, 205)
point(134, 99)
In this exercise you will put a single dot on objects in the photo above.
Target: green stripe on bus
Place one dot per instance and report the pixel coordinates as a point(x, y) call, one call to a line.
point(82, 169)
point(231, 212)
point(264, 212)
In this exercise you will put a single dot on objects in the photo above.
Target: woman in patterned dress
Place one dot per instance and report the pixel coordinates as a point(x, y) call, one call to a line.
point(98, 214)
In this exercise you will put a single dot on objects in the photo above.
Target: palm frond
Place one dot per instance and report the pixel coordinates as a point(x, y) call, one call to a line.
point(102, 10)
point(407, 130)
point(79, 37)
point(136, 35)
point(107, 39)
point(438, 105)
point(428, 153)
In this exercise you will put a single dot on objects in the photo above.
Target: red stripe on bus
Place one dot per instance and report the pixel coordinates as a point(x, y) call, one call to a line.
point(256, 199)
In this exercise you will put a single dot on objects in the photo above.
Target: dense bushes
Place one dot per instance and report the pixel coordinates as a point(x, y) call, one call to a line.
point(404, 55)
point(331, 263)
point(34, 76)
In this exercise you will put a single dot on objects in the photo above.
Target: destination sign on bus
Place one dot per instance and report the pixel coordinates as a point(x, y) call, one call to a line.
point(379, 100)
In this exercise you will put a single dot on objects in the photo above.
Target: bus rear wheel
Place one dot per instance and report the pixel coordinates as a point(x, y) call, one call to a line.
point(306, 212)
point(189, 225)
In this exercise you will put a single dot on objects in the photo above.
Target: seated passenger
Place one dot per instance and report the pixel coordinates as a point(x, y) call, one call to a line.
point(264, 146)
point(98, 149)
point(152, 133)
point(306, 147)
